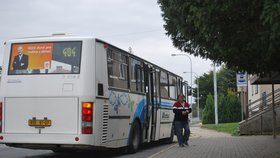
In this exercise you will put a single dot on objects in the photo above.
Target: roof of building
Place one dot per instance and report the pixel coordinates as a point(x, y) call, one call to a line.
point(274, 77)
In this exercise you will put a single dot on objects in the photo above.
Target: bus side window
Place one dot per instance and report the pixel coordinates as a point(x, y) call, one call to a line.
point(179, 86)
point(136, 75)
point(172, 86)
point(117, 69)
point(163, 84)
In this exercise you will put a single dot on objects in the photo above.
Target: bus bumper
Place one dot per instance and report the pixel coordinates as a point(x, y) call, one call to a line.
point(48, 141)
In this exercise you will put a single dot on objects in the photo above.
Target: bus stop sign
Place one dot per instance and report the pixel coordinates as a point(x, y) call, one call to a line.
point(241, 79)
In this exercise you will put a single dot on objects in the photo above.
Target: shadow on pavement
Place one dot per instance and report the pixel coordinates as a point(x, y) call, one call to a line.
point(108, 153)
point(105, 154)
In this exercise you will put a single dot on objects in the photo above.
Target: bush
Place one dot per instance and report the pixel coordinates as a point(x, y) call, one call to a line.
point(234, 108)
point(229, 109)
point(208, 112)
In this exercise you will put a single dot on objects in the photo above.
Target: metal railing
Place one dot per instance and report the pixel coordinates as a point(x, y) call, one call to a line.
point(263, 103)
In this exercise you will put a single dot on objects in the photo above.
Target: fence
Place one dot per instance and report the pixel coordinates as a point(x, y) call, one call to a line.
point(263, 103)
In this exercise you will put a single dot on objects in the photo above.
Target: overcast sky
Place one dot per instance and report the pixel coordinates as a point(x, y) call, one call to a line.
point(123, 23)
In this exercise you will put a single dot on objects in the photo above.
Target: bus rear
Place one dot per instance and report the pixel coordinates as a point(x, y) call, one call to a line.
point(47, 91)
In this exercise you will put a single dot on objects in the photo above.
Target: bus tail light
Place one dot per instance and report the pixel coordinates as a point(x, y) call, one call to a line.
point(87, 112)
point(1, 116)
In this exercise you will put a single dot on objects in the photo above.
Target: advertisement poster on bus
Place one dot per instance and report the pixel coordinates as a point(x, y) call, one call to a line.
point(45, 58)
point(31, 56)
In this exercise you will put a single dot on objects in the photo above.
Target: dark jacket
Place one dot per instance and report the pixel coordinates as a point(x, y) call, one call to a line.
point(20, 64)
point(178, 109)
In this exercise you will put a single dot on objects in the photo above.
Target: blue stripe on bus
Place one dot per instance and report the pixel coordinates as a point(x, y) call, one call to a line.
point(142, 107)
point(140, 110)
point(167, 105)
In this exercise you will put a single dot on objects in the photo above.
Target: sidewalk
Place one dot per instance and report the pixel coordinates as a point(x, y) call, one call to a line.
point(206, 143)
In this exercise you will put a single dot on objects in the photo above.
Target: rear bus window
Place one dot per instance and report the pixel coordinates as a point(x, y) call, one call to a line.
point(45, 58)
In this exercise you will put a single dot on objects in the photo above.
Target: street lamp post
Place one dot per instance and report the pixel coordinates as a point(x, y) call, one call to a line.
point(191, 70)
point(215, 95)
point(197, 94)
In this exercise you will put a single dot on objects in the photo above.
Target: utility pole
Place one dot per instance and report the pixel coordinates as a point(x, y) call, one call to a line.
point(198, 97)
point(215, 95)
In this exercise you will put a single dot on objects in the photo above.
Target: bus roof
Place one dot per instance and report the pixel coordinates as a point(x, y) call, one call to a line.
point(50, 37)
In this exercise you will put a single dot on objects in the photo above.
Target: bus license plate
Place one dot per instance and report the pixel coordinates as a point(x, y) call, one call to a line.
point(44, 123)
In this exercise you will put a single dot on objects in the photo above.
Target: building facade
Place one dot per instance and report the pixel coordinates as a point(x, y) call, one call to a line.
point(257, 91)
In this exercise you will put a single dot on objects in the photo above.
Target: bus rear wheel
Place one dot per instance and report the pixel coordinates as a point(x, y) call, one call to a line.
point(135, 138)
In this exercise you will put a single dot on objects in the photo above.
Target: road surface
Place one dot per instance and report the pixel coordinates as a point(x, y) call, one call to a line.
point(145, 151)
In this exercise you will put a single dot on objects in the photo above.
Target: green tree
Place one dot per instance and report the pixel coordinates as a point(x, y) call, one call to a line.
point(208, 112)
point(226, 80)
point(243, 34)
point(205, 87)
point(234, 108)
point(229, 109)
point(223, 111)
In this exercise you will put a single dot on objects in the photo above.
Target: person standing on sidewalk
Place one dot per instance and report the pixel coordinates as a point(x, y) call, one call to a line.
point(181, 110)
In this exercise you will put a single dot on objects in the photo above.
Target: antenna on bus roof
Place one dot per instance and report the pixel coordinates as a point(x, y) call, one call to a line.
point(130, 50)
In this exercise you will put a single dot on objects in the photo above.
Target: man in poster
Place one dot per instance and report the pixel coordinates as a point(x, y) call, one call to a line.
point(21, 60)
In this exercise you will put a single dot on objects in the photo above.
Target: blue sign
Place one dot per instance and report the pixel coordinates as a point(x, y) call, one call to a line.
point(241, 79)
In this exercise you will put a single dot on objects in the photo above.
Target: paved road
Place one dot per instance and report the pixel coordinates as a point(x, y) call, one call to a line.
point(203, 144)
point(145, 151)
point(210, 144)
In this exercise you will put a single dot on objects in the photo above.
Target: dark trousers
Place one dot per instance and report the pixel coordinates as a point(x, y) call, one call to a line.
point(182, 131)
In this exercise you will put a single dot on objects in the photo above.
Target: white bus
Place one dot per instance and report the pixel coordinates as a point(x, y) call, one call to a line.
point(78, 92)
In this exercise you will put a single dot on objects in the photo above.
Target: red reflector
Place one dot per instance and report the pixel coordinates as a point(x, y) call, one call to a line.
point(86, 130)
point(77, 139)
point(87, 111)
point(1, 137)
point(87, 118)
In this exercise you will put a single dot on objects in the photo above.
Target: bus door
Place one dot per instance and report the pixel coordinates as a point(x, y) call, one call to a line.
point(152, 101)
point(155, 75)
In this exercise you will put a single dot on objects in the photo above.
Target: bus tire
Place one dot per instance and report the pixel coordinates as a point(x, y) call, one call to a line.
point(135, 138)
